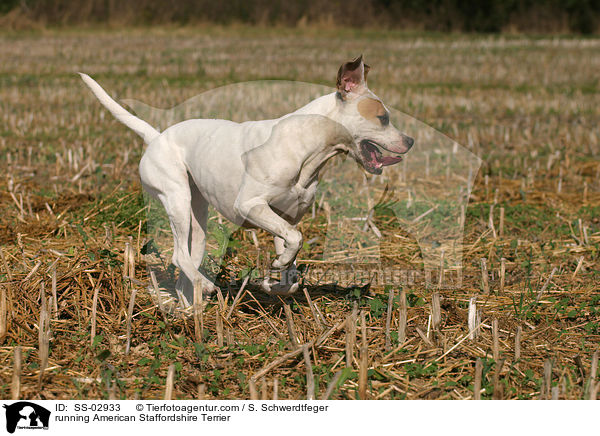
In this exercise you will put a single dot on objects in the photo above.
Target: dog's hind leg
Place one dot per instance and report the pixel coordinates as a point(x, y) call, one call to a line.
point(196, 241)
point(173, 190)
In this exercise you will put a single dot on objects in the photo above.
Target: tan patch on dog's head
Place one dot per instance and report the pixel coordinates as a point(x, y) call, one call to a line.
point(371, 109)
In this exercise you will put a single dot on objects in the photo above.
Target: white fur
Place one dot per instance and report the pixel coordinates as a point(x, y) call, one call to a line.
point(257, 174)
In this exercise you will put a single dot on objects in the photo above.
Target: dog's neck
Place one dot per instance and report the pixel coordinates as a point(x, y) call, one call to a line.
point(325, 105)
point(314, 162)
point(332, 139)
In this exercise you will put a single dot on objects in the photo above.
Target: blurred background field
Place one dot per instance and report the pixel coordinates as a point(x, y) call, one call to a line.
point(530, 16)
point(71, 201)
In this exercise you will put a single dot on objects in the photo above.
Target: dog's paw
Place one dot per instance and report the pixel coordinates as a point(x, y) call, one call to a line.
point(283, 262)
point(209, 290)
point(269, 286)
point(276, 265)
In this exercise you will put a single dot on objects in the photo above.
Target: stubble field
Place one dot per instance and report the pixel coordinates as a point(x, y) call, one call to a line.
point(72, 202)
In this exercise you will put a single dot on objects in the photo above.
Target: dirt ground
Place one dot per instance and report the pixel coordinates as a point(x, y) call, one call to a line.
point(72, 202)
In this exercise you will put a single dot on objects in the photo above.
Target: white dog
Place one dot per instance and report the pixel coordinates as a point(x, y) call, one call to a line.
point(258, 173)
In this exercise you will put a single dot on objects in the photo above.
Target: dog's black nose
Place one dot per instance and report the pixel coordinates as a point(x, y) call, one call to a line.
point(408, 141)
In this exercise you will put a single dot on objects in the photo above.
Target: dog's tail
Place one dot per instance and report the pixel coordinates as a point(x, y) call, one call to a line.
point(139, 126)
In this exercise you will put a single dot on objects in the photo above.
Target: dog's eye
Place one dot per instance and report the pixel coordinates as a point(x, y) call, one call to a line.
point(385, 119)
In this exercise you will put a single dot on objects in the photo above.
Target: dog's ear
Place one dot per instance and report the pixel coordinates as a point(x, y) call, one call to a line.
point(352, 75)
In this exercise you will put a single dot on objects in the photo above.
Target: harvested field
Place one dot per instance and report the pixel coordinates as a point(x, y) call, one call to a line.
point(78, 322)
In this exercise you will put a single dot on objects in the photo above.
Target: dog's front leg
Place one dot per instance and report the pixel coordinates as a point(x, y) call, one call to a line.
point(257, 212)
point(288, 283)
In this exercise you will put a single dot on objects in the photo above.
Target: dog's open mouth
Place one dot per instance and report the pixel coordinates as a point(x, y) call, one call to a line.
point(374, 159)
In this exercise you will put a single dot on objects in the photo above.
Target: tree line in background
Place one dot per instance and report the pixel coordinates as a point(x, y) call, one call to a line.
point(540, 16)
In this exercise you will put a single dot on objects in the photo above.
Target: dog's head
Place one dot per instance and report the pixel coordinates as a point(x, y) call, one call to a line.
point(376, 142)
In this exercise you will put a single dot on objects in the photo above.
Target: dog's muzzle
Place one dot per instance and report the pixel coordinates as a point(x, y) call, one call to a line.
point(374, 158)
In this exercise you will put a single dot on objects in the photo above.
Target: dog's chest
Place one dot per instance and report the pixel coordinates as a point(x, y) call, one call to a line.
point(294, 203)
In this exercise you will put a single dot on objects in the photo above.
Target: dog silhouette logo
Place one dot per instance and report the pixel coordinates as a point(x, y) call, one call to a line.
point(26, 415)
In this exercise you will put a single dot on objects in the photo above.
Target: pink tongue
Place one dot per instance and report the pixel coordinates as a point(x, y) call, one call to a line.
point(390, 160)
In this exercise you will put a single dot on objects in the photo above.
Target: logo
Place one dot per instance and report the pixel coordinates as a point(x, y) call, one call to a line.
point(26, 415)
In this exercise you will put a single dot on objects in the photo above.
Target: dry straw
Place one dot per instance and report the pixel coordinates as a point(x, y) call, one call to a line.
point(484, 276)
point(402, 318)
point(547, 381)
point(441, 275)
point(129, 318)
point(351, 336)
point(495, 340)
point(95, 308)
point(477, 379)
point(44, 335)
point(502, 274)
point(264, 390)
point(313, 309)
point(498, 386)
point(219, 327)
point(388, 320)
point(310, 379)
point(252, 389)
point(289, 317)
point(198, 311)
point(543, 288)
point(170, 382)
point(3, 314)
point(473, 319)
point(61, 225)
point(593, 383)
point(518, 334)
point(54, 294)
point(15, 387)
point(436, 312)
point(578, 267)
point(238, 296)
point(364, 359)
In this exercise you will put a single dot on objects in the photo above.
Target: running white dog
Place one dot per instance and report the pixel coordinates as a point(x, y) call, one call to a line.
point(258, 173)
